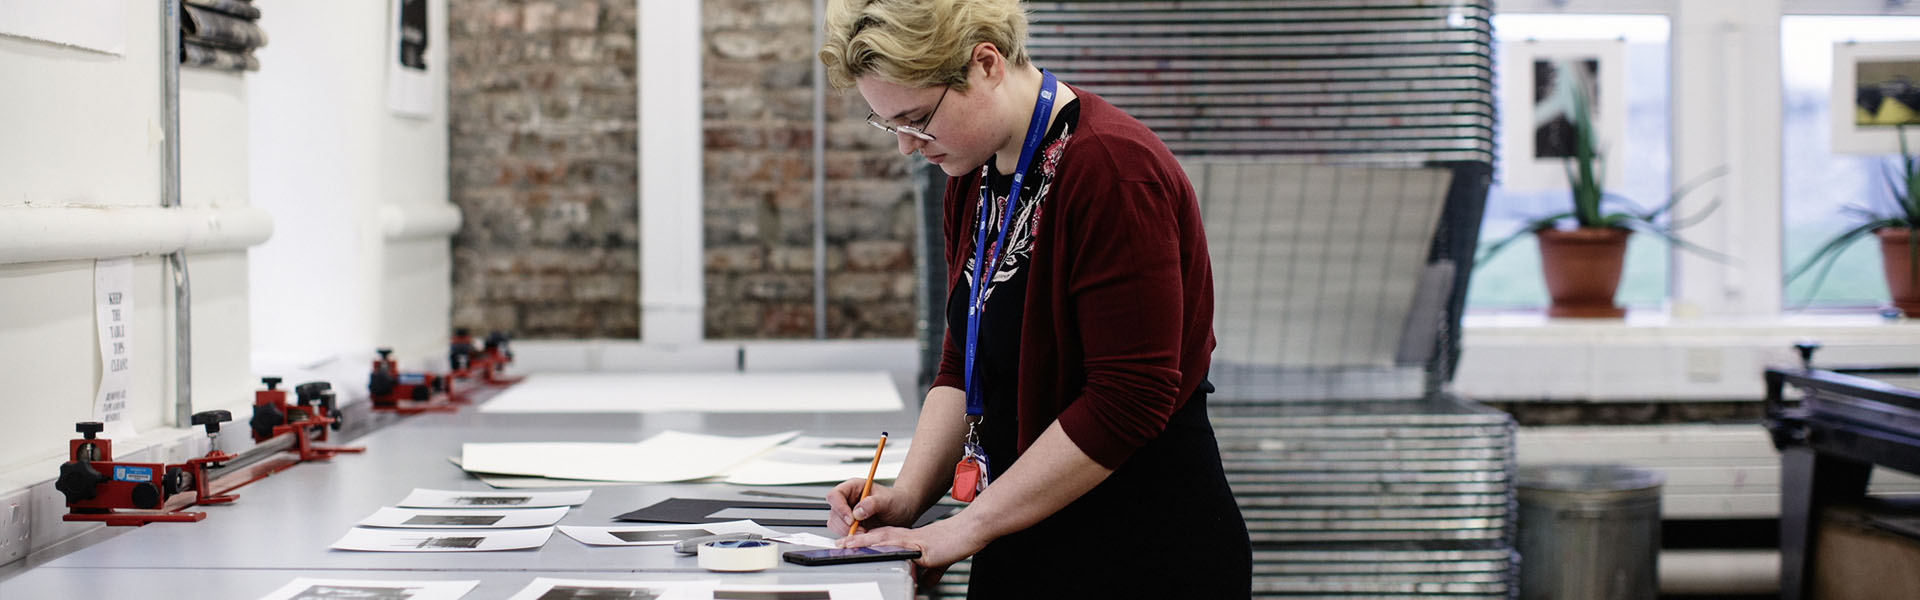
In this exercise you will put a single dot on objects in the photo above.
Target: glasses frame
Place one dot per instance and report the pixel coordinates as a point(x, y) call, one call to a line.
point(910, 130)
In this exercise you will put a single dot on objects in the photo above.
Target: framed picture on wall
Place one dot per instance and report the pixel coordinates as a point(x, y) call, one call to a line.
point(1541, 81)
point(1876, 87)
point(409, 86)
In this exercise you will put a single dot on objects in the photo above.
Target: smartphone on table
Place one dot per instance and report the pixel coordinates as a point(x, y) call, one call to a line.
point(841, 556)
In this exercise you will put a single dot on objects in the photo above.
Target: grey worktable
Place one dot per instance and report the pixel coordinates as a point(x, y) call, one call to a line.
point(281, 527)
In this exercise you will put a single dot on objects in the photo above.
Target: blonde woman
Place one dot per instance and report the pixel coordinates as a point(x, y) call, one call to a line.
point(1069, 407)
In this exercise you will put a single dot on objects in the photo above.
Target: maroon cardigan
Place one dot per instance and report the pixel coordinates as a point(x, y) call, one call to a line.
point(1117, 328)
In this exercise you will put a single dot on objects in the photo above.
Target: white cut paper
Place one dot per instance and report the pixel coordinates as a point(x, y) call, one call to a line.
point(306, 587)
point(806, 539)
point(865, 391)
point(659, 535)
point(99, 25)
point(866, 590)
point(546, 587)
point(668, 457)
point(414, 540)
point(425, 498)
point(463, 519)
point(113, 318)
point(819, 460)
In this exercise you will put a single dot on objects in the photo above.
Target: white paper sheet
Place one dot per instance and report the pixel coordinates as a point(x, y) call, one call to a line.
point(414, 540)
point(811, 459)
point(113, 324)
point(806, 539)
point(866, 590)
point(869, 391)
point(306, 587)
point(657, 535)
point(92, 24)
point(425, 498)
point(545, 587)
point(668, 457)
point(417, 518)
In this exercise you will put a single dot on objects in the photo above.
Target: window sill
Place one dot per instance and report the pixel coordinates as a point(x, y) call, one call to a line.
point(1653, 357)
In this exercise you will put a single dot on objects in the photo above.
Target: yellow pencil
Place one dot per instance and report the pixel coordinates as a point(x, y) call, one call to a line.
point(871, 469)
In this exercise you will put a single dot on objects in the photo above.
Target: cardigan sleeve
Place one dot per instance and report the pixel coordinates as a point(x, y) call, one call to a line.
point(1125, 290)
point(952, 361)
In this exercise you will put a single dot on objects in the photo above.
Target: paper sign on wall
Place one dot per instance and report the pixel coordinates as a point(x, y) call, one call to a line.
point(113, 317)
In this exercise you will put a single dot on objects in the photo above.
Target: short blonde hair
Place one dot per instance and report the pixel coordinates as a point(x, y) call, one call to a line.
point(918, 43)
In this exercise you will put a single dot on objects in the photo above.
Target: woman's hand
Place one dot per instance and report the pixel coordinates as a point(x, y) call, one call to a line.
point(940, 543)
point(884, 506)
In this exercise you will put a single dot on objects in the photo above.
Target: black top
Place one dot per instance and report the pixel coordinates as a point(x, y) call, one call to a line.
point(1171, 493)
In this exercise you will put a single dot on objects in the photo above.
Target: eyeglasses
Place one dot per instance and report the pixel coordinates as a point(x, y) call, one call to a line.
point(911, 130)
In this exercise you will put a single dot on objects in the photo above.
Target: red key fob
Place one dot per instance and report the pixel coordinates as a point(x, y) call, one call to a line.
point(966, 480)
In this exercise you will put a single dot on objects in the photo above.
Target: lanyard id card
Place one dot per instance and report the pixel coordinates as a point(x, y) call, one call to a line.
point(971, 475)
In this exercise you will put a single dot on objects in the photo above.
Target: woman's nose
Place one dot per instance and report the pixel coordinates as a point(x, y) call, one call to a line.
point(908, 143)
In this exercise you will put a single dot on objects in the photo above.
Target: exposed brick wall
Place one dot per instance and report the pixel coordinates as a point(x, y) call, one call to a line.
point(758, 98)
point(543, 116)
point(543, 164)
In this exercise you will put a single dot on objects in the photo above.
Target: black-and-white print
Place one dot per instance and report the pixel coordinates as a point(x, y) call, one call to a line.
point(571, 592)
point(492, 500)
point(413, 34)
point(453, 520)
point(662, 535)
point(1887, 92)
point(1559, 84)
point(451, 542)
point(354, 592)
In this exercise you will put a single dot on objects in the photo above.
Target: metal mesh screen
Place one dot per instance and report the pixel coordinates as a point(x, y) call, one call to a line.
point(1316, 273)
point(1397, 81)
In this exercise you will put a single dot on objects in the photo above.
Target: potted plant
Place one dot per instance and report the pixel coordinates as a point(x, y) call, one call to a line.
point(1582, 263)
point(1898, 230)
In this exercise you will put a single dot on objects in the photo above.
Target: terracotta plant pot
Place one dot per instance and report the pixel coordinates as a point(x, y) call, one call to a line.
point(1582, 269)
point(1897, 259)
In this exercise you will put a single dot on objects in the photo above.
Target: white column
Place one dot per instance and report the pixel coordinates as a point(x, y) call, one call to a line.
point(1726, 112)
point(671, 253)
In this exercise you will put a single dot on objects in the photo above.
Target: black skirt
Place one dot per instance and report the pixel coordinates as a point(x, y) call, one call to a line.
point(1164, 525)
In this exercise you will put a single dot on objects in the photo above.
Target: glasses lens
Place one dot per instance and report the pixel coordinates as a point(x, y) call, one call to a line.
point(906, 130)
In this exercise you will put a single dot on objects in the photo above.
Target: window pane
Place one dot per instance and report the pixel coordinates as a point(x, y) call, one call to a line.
point(1511, 280)
point(1818, 185)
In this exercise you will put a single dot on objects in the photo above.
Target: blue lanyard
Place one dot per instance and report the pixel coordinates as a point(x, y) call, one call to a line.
point(984, 269)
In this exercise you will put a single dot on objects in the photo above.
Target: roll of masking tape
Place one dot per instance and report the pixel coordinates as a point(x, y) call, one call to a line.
point(739, 555)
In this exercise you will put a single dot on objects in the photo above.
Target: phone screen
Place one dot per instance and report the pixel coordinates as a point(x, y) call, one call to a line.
point(831, 556)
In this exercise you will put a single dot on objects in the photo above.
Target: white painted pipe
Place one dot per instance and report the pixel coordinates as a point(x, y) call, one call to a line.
point(30, 235)
point(420, 222)
point(1719, 572)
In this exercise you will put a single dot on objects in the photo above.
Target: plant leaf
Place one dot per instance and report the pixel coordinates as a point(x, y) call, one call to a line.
point(1680, 223)
point(1688, 188)
point(1831, 250)
point(1683, 244)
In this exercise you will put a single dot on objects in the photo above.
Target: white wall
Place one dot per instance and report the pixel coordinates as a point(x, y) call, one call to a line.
point(332, 164)
point(82, 132)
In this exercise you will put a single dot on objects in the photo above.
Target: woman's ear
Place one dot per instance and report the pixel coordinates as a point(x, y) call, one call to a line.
point(990, 63)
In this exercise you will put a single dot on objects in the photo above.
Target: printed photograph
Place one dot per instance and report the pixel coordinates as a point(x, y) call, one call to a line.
point(450, 542)
point(664, 535)
point(340, 592)
point(1557, 82)
point(461, 520)
point(493, 500)
point(573, 592)
point(1886, 92)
